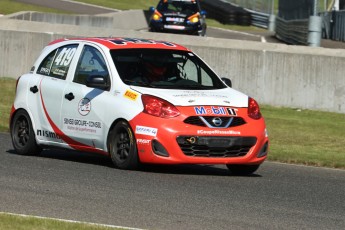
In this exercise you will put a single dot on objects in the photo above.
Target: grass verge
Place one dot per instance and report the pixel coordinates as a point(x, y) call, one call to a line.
point(7, 96)
point(306, 137)
point(296, 136)
point(10, 7)
point(19, 222)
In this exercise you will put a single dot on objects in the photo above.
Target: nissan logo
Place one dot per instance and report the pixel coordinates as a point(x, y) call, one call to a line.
point(217, 121)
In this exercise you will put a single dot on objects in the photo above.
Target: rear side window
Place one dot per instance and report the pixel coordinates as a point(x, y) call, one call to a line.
point(57, 63)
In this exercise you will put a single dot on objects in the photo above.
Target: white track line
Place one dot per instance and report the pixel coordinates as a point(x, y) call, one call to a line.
point(93, 5)
point(262, 38)
point(69, 221)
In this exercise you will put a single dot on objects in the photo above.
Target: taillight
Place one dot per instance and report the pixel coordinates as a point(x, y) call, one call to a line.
point(17, 81)
point(253, 109)
point(158, 107)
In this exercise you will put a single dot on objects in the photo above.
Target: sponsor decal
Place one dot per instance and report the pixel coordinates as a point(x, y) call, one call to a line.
point(48, 134)
point(82, 126)
point(84, 106)
point(125, 41)
point(171, 19)
point(176, 27)
point(130, 95)
point(143, 141)
point(59, 72)
point(44, 70)
point(218, 132)
point(146, 130)
point(214, 110)
point(198, 94)
point(232, 112)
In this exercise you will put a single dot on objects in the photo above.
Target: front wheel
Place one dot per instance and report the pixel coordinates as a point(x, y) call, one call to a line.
point(22, 134)
point(122, 147)
point(242, 170)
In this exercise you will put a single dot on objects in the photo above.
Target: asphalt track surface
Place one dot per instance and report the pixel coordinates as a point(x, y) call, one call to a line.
point(86, 187)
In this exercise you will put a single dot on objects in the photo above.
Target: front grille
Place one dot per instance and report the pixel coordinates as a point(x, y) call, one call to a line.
point(205, 121)
point(215, 146)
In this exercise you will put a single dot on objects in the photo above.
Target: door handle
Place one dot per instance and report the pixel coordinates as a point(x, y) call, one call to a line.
point(34, 89)
point(69, 96)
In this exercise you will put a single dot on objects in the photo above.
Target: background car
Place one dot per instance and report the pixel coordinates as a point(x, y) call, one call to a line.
point(178, 17)
point(137, 101)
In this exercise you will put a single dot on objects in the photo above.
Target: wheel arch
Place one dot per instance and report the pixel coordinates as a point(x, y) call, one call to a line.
point(31, 120)
point(31, 146)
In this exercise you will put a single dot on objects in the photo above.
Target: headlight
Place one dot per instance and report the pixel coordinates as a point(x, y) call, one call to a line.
point(194, 18)
point(253, 109)
point(158, 107)
point(156, 16)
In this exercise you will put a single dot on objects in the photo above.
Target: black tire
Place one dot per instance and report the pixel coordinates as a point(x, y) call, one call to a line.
point(242, 170)
point(203, 33)
point(122, 147)
point(23, 135)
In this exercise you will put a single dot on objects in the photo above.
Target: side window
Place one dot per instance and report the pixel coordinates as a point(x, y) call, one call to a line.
point(57, 63)
point(191, 70)
point(91, 62)
point(206, 79)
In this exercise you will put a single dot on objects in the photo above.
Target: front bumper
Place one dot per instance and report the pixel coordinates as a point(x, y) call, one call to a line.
point(178, 142)
point(157, 26)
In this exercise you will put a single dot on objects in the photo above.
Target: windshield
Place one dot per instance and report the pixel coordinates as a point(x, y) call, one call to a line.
point(165, 69)
point(183, 7)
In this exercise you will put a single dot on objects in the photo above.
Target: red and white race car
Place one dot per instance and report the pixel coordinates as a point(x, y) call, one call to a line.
point(137, 101)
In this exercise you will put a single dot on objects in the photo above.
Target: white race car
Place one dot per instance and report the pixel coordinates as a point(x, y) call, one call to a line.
point(137, 101)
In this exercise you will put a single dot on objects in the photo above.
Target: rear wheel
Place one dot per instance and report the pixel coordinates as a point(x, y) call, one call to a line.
point(122, 147)
point(23, 135)
point(242, 170)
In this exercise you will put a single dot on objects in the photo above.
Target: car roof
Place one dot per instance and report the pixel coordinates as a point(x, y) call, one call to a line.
point(125, 43)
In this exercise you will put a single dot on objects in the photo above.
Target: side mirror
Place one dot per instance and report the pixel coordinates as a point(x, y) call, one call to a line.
point(203, 13)
point(97, 81)
point(151, 9)
point(227, 81)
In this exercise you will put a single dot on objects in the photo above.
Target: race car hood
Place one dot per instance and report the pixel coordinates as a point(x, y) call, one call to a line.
point(219, 97)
